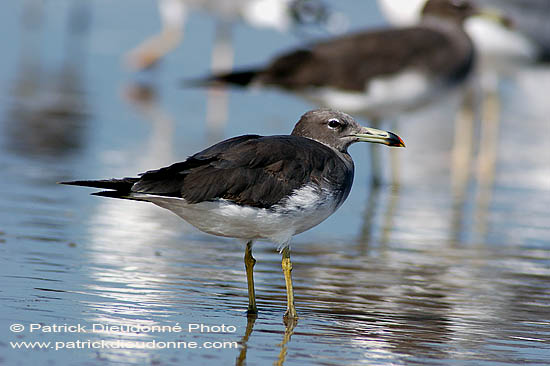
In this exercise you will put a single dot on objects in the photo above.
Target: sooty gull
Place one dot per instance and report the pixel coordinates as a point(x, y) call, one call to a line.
point(258, 187)
point(376, 73)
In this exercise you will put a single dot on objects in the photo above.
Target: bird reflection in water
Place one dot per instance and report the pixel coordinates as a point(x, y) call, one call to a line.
point(374, 210)
point(241, 359)
point(290, 324)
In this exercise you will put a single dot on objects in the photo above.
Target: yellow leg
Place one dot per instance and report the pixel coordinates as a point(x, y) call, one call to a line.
point(249, 262)
point(287, 269)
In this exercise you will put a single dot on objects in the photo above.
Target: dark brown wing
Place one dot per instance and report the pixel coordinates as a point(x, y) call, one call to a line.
point(351, 61)
point(250, 170)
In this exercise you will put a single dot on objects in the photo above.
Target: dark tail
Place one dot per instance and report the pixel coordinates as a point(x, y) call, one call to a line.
point(239, 78)
point(117, 188)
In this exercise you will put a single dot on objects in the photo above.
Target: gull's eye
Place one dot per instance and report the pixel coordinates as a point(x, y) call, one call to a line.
point(334, 123)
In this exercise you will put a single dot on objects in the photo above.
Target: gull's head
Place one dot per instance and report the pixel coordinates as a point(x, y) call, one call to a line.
point(339, 130)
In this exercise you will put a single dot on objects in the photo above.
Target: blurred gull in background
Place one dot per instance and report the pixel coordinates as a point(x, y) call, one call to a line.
point(281, 15)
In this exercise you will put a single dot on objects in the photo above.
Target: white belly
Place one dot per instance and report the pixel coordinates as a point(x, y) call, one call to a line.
point(306, 208)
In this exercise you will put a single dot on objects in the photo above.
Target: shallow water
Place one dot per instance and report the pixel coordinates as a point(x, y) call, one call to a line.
point(449, 267)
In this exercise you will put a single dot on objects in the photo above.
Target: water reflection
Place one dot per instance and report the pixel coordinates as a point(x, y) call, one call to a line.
point(290, 324)
point(43, 127)
point(378, 215)
point(423, 304)
point(241, 359)
point(48, 112)
point(123, 289)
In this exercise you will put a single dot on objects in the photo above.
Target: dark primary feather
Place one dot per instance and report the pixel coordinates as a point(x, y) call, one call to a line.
point(123, 185)
point(242, 78)
point(249, 170)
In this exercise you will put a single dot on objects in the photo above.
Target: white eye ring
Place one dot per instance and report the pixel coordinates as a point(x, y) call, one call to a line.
point(334, 123)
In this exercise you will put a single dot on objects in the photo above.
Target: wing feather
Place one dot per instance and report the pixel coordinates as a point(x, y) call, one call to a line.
point(251, 170)
point(367, 55)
